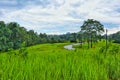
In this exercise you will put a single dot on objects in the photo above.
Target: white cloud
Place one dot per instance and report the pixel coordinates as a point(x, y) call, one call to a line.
point(113, 30)
point(57, 13)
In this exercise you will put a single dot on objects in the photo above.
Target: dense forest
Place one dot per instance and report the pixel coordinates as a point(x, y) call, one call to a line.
point(12, 35)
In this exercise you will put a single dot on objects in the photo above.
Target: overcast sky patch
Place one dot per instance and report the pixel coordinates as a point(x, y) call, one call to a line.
point(60, 16)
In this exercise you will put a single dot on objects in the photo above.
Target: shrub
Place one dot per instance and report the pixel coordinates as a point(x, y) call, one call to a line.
point(23, 51)
point(114, 49)
point(102, 49)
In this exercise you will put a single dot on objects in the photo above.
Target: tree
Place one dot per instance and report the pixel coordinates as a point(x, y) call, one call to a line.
point(15, 36)
point(5, 32)
point(33, 38)
point(92, 28)
point(80, 37)
point(12, 35)
point(115, 37)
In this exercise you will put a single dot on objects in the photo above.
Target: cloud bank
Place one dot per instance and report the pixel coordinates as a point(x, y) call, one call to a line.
point(60, 16)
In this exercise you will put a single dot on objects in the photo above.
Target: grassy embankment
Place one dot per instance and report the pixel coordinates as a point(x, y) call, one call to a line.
point(53, 62)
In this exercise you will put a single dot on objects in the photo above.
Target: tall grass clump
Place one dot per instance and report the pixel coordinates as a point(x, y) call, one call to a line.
point(53, 62)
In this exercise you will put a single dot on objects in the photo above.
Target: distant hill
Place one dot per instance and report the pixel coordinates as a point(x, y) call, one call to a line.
point(115, 37)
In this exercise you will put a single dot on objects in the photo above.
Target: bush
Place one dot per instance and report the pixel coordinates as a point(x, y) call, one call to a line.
point(23, 50)
point(114, 49)
point(110, 49)
point(102, 49)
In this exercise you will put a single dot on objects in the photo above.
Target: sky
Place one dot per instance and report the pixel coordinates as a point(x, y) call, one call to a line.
point(60, 16)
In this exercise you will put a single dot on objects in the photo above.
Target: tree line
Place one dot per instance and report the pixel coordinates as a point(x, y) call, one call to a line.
point(115, 37)
point(12, 35)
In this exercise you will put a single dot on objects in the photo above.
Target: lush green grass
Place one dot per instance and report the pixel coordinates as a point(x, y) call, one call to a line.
point(53, 62)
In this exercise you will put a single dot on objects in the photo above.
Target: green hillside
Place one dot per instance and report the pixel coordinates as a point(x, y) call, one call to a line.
point(53, 62)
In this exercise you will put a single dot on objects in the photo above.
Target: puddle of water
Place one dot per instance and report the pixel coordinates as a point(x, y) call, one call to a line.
point(69, 47)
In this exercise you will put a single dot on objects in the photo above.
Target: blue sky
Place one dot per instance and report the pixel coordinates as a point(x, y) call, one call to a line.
point(60, 16)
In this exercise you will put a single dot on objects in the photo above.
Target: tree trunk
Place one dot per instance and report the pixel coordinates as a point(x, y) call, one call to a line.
point(91, 41)
point(81, 43)
point(88, 43)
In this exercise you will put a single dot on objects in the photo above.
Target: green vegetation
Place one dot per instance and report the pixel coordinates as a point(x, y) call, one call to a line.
point(12, 35)
point(115, 37)
point(91, 30)
point(53, 62)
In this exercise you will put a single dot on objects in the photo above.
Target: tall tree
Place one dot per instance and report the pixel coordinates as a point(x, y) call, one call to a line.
point(92, 28)
point(12, 35)
point(15, 35)
point(80, 37)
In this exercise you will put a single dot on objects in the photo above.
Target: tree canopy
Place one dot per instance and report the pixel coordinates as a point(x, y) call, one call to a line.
point(91, 28)
point(12, 35)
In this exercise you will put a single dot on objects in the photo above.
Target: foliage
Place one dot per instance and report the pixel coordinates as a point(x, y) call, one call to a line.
point(115, 37)
point(23, 50)
point(12, 35)
point(110, 49)
point(92, 29)
point(52, 62)
point(114, 49)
